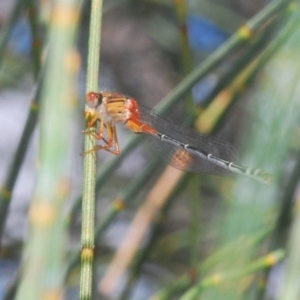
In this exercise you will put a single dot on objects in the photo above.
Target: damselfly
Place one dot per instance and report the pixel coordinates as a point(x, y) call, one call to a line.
point(181, 147)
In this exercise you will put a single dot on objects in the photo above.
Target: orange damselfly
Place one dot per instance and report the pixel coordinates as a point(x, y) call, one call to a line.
point(181, 147)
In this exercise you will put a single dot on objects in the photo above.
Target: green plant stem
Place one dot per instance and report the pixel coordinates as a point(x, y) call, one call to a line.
point(12, 174)
point(89, 181)
point(44, 256)
point(36, 41)
point(186, 57)
point(265, 262)
point(291, 288)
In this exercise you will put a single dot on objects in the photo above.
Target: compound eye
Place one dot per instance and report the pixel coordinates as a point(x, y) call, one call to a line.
point(93, 99)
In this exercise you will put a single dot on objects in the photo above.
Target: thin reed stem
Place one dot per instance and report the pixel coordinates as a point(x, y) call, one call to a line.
point(7, 188)
point(89, 181)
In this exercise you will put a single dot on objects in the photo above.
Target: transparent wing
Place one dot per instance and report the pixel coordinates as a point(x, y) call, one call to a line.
point(180, 158)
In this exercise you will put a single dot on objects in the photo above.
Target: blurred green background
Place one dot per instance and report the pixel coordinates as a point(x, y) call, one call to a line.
point(160, 233)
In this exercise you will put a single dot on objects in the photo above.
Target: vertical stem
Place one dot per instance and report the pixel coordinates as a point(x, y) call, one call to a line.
point(185, 51)
point(43, 260)
point(89, 184)
point(6, 190)
point(36, 41)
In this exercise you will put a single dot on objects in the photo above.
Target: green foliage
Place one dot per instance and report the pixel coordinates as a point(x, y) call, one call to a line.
point(226, 233)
